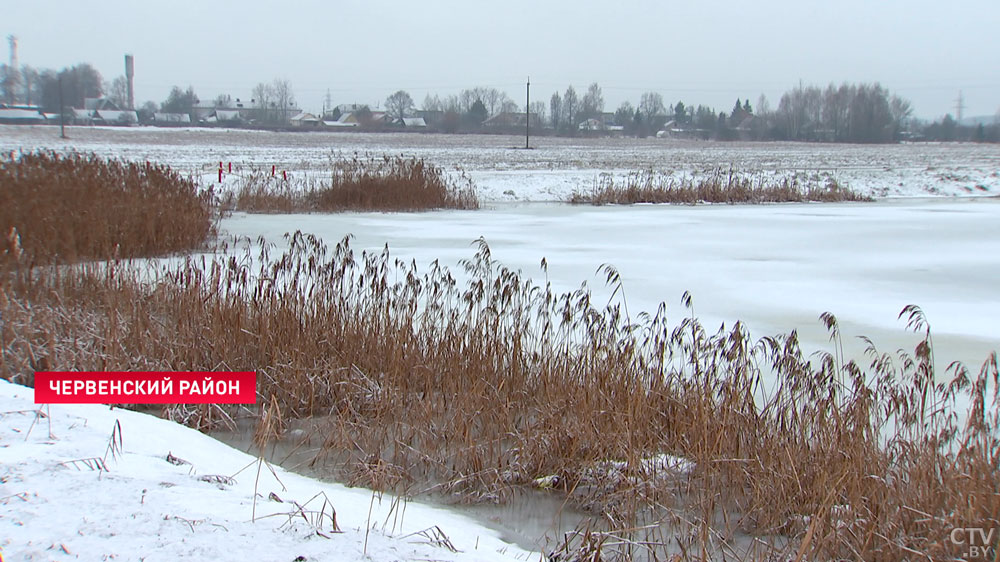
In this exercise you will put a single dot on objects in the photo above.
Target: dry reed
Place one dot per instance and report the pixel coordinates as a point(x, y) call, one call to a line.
point(367, 183)
point(719, 186)
point(482, 380)
point(65, 208)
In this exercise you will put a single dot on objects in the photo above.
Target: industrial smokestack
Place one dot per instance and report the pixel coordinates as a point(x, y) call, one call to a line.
point(130, 75)
point(13, 51)
point(13, 73)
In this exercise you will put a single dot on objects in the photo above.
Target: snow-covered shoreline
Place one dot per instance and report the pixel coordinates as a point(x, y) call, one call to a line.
point(57, 503)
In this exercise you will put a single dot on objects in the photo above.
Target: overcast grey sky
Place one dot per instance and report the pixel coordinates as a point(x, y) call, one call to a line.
point(707, 52)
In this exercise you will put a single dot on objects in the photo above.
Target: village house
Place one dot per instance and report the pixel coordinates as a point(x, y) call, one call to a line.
point(412, 123)
point(171, 119)
point(21, 115)
point(103, 111)
point(304, 119)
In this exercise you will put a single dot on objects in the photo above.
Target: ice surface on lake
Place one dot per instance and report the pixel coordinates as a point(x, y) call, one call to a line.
point(775, 267)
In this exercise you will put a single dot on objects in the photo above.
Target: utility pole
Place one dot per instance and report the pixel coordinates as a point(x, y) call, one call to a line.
point(527, 112)
point(62, 112)
point(959, 107)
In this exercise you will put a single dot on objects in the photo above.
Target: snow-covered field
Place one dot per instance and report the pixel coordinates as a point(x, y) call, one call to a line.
point(553, 169)
point(67, 494)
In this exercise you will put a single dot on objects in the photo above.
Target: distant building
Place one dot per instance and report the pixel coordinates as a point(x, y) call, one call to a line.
point(412, 122)
point(115, 117)
point(171, 119)
point(224, 115)
point(603, 123)
point(304, 119)
point(20, 116)
point(358, 118)
point(341, 121)
point(82, 116)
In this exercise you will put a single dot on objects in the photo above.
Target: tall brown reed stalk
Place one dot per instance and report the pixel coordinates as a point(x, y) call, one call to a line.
point(359, 183)
point(72, 207)
point(720, 186)
point(474, 382)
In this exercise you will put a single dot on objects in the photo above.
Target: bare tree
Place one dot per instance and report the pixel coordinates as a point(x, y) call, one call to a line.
point(592, 104)
point(223, 101)
point(399, 105)
point(30, 77)
point(625, 116)
point(901, 110)
point(10, 80)
point(538, 110)
point(571, 105)
point(555, 110)
point(284, 99)
point(493, 99)
point(263, 102)
point(118, 92)
point(432, 103)
point(651, 105)
point(465, 100)
point(763, 105)
point(835, 109)
point(274, 101)
point(452, 104)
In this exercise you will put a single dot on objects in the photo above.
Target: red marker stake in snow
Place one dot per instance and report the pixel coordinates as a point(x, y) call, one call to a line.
point(284, 175)
point(220, 175)
point(230, 167)
point(272, 170)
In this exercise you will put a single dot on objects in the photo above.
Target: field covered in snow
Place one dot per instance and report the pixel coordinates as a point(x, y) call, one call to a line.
point(553, 169)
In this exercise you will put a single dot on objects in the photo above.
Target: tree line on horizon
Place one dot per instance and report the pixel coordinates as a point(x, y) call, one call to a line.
point(856, 113)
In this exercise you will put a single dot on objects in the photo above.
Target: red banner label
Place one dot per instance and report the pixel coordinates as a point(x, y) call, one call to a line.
point(153, 387)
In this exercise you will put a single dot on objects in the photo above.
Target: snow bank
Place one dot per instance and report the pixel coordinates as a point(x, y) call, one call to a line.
point(69, 492)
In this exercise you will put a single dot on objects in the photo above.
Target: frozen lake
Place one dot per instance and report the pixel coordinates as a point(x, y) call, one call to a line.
point(934, 241)
point(775, 267)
